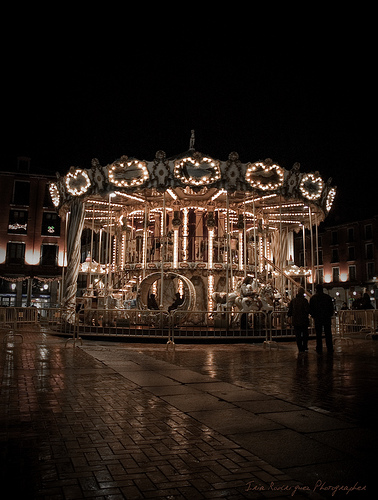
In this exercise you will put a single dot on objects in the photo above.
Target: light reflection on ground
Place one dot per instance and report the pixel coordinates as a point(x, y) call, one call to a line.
point(343, 384)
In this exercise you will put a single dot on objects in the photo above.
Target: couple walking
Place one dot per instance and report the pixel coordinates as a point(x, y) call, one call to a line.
point(321, 309)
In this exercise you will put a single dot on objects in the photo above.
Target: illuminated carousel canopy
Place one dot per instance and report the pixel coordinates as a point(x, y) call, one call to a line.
point(193, 178)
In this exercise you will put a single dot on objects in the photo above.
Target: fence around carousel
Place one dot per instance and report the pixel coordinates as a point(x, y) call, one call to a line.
point(212, 325)
point(14, 317)
point(160, 324)
point(357, 322)
point(178, 324)
point(139, 324)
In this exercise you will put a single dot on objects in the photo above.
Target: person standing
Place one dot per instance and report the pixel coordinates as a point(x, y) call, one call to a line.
point(365, 302)
point(299, 309)
point(321, 309)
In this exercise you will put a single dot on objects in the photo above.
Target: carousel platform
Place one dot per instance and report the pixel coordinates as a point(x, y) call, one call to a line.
point(145, 333)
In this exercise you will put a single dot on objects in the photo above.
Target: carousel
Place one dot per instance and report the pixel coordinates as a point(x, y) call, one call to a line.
point(189, 234)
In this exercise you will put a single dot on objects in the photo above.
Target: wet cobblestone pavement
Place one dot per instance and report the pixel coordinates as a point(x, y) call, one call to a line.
point(345, 384)
point(118, 420)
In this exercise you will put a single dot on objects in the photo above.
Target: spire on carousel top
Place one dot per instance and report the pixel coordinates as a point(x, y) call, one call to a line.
point(192, 141)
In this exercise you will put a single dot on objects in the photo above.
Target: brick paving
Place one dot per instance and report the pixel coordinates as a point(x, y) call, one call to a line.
point(344, 385)
point(121, 421)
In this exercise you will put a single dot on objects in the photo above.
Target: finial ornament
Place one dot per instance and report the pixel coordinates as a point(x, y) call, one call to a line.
point(192, 141)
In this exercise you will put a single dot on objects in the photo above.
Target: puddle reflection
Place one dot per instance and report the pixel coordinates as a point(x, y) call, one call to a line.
point(342, 383)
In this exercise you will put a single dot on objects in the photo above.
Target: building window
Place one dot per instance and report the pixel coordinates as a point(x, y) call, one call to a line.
point(21, 191)
point(351, 253)
point(50, 224)
point(335, 274)
point(15, 253)
point(350, 234)
point(18, 222)
point(370, 270)
point(334, 238)
point(49, 255)
point(368, 232)
point(320, 257)
point(335, 255)
point(352, 273)
point(369, 251)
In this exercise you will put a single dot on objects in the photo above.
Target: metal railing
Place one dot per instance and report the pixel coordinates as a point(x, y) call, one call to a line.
point(15, 316)
point(219, 324)
point(357, 322)
point(268, 327)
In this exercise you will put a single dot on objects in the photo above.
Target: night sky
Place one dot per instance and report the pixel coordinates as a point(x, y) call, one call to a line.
point(307, 107)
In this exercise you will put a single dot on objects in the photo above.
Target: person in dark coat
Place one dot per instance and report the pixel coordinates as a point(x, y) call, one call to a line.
point(366, 302)
point(151, 302)
point(299, 310)
point(357, 303)
point(321, 309)
point(178, 301)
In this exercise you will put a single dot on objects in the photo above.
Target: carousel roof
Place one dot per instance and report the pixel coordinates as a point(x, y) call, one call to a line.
point(195, 179)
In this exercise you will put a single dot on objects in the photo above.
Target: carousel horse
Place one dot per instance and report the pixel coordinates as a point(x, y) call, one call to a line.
point(224, 301)
point(267, 297)
point(250, 297)
point(250, 303)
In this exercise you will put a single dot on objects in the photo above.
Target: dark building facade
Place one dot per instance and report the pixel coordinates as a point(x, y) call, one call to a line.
point(347, 259)
point(31, 239)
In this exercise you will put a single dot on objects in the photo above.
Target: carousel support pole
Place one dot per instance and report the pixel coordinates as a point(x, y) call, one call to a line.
point(162, 249)
point(288, 253)
point(228, 244)
point(265, 246)
point(99, 247)
point(229, 254)
point(114, 256)
point(312, 252)
point(198, 236)
point(245, 243)
point(132, 246)
point(261, 244)
point(304, 253)
point(185, 235)
point(90, 267)
point(110, 253)
point(128, 241)
point(106, 277)
point(241, 264)
point(254, 234)
point(175, 248)
point(230, 231)
point(75, 228)
point(145, 240)
point(317, 251)
point(281, 253)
